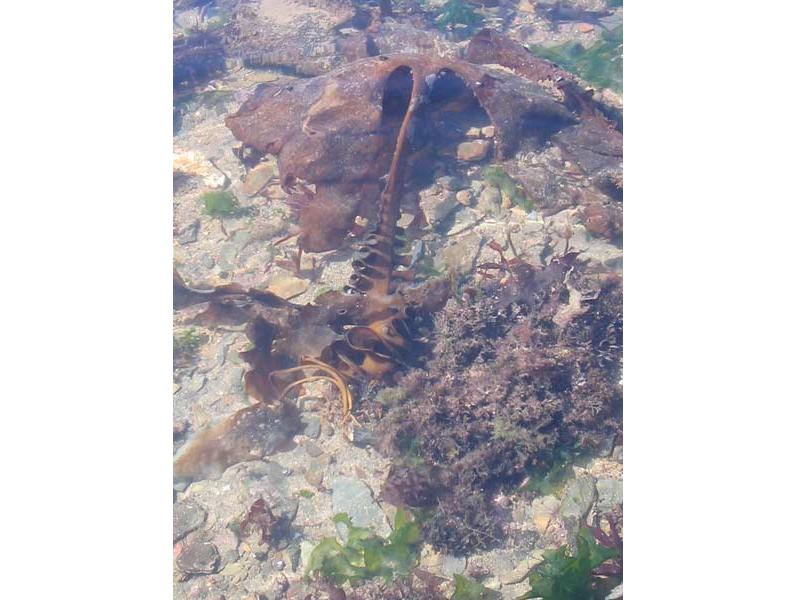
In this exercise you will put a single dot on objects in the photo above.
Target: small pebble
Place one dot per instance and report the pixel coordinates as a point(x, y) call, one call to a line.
point(405, 220)
point(313, 450)
point(474, 132)
point(188, 234)
point(472, 151)
point(616, 454)
point(315, 474)
point(312, 426)
point(279, 565)
point(464, 197)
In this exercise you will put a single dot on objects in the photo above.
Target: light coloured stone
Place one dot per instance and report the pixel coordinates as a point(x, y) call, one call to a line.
point(258, 178)
point(436, 204)
point(473, 150)
point(453, 565)
point(430, 560)
point(525, 6)
point(464, 197)
point(474, 132)
point(287, 287)
point(405, 220)
point(616, 454)
point(578, 499)
point(609, 494)
point(543, 509)
point(488, 131)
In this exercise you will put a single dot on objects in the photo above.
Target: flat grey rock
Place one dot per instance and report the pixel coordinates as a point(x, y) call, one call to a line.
point(353, 497)
point(578, 499)
point(609, 494)
point(186, 517)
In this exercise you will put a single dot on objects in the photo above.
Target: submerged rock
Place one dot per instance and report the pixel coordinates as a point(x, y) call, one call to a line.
point(259, 178)
point(199, 558)
point(578, 499)
point(436, 204)
point(353, 496)
point(609, 494)
point(473, 151)
point(186, 517)
point(295, 34)
point(252, 433)
point(311, 426)
point(460, 256)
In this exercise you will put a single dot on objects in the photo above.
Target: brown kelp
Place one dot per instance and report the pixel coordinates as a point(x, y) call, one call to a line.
point(337, 132)
point(346, 143)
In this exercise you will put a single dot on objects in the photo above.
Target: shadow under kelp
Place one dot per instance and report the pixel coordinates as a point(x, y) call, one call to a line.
point(519, 372)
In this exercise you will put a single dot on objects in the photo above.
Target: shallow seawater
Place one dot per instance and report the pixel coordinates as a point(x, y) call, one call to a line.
point(397, 299)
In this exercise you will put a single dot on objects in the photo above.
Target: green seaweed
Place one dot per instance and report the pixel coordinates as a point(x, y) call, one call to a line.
point(566, 575)
point(365, 555)
point(186, 342)
point(495, 176)
point(305, 494)
point(467, 589)
point(220, 203)
point(600, 64)
point(458, 14)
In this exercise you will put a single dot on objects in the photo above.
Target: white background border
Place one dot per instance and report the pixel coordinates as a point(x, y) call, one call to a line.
point(711, 305)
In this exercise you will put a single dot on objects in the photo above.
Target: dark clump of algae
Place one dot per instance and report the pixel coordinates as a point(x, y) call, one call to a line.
point(600, 64)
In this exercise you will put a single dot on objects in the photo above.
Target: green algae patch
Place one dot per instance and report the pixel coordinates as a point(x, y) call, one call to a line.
point(566, 575)
point(185, 344)
point(365, 555)
point(468, 589)
point(495, 176)
point(219, 203)
point(599, 65)
point(458, 15)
